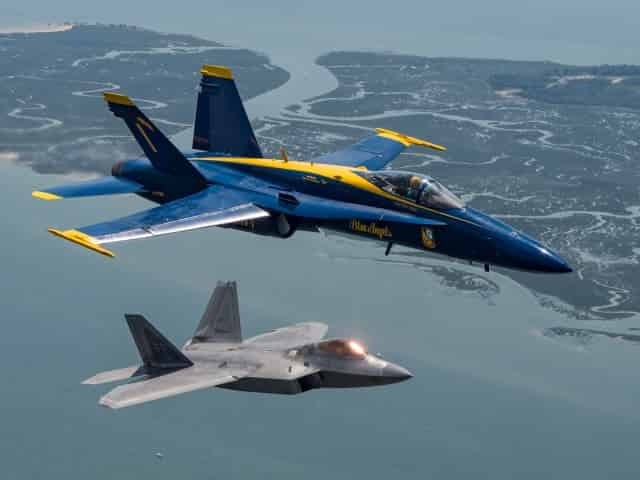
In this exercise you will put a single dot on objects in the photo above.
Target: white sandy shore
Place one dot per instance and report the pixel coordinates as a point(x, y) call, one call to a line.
point(37, 28)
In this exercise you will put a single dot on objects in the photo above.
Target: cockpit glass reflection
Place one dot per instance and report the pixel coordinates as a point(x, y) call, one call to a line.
point(417, 188)
point(343, 348)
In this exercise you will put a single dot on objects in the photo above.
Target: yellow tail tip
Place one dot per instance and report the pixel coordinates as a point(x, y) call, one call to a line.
point(45, 195)
point(118, 98)
point(217, 71)
point(82, 239)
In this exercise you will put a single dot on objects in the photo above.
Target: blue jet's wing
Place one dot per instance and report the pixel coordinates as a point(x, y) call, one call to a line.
point(213, 206)
point(375, 152)
point(100, 186)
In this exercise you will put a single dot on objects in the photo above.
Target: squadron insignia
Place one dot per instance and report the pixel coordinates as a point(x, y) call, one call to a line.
point(428, 239)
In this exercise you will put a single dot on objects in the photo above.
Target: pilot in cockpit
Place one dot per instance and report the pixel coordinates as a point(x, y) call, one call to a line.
point(414, 188)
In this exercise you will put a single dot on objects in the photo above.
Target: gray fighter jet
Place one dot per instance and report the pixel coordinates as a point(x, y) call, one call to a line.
point(287, 360)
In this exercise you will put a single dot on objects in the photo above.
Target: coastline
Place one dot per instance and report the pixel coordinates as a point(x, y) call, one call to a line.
point(37, 28)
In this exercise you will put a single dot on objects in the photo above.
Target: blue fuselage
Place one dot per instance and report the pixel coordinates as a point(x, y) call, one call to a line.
point(463, 233)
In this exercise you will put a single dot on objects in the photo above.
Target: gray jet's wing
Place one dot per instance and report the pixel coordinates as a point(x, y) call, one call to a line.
point(291, 336)
point(186, 380)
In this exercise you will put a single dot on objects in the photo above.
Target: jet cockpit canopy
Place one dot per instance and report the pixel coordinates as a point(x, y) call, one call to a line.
point(343, 348)
point(416, 187)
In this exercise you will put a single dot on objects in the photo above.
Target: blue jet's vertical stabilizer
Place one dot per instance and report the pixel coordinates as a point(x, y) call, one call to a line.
point(222, 125)
point(163, 154)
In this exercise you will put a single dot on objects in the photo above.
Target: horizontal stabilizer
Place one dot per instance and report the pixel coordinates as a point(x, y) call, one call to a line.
point(90, 188)
point(115, 375)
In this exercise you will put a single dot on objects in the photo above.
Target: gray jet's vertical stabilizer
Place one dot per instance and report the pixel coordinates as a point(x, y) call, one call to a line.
point(155, 350)
point(221, 319)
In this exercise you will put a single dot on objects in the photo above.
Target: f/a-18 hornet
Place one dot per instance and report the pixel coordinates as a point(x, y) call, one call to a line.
point(288, 360)
point(225, 181)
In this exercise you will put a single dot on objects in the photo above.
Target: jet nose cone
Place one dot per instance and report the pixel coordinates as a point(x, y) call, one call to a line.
point(550, 262)
point(561, 265)
point(396, 373)
point(507, 247)
point(527, 254)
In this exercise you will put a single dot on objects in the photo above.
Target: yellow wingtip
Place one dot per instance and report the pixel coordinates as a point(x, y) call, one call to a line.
point(80, 238)
point(435, 146)
point(217, 71)
point(406, 140)
point(118, 98)
point(45, 195)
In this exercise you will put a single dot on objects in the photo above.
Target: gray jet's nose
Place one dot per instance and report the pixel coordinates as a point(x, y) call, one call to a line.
point(395, 373)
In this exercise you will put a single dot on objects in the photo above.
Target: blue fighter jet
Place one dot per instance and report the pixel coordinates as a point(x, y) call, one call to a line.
point(225, 181)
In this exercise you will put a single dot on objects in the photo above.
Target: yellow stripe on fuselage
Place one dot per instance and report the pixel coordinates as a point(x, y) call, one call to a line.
point(337, 173)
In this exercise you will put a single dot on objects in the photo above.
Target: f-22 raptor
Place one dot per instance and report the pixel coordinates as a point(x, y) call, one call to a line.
point(225, 181)
point(288, 360)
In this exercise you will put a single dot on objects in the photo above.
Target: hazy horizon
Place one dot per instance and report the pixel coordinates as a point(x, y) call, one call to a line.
point(573, 32)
